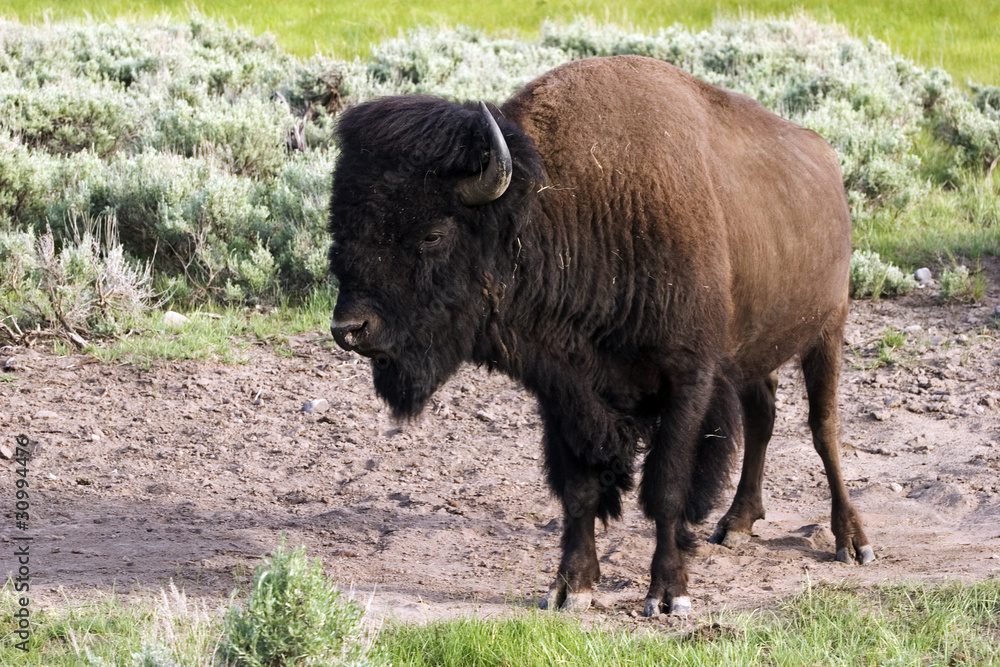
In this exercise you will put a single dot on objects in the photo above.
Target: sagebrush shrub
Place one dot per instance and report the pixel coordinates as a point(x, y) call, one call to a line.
point(960, 284)
point(294, 616)
point(87, 287)
point(213, 149)
point(871, 276)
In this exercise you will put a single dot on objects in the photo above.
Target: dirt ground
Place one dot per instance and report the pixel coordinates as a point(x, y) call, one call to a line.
point(191, 471)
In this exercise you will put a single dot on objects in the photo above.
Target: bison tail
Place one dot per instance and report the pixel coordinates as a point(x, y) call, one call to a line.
point(721, 432)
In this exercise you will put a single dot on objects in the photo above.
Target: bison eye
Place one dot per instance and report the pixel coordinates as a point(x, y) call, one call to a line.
point(431, 240)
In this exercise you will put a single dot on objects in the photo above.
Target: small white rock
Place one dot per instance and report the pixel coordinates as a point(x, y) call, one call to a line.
point(174, 320)
point(923, 276)
point(896, 487)
point(913, 328)
point(483, 415)
point(316, 406)
point(46, 414)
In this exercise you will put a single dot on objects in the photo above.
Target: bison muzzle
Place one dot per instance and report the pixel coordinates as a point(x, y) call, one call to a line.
point(641, 250)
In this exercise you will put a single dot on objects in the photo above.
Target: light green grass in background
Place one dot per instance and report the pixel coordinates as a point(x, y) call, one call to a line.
point(962, 37)
point(177, 163)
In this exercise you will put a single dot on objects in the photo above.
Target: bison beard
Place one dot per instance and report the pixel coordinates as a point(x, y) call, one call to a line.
point(641, 250)
point(405, 388)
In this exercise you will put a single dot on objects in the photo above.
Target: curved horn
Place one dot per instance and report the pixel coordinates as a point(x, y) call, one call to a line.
point(491, 182)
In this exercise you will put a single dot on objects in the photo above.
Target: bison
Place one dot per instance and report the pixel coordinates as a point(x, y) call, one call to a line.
point(641, 250)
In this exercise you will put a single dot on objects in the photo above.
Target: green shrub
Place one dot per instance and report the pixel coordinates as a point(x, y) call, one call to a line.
point(88, 287)
point(959, 284)
point(955, 282)
point(179, 130)
point(213, 149)
point(71, 116)
point(294, 616)
point(873, 277)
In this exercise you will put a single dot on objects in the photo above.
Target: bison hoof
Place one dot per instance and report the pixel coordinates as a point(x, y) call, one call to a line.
point(729, 538)
point(652, 609)
point(862, 556)
point(679, 606)
point(558, 598)
point(577, 601)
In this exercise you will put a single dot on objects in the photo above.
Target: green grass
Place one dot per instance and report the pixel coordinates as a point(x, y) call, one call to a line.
point(962, 217)
point(892, 339)
point(889, 624)
point(218, 334)
point(961, 37)
point(109, 631)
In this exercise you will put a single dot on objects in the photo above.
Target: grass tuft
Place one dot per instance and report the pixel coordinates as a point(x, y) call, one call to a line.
point(959, 284)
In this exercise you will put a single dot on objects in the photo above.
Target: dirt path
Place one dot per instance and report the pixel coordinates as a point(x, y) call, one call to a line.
point(190, 471)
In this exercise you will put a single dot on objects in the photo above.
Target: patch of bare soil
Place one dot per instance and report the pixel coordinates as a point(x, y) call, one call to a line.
point(190, 471)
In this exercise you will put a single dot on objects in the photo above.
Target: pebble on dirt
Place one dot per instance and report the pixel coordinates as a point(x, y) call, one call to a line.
point(922, 276)
point(46, 414)
point(317, 405)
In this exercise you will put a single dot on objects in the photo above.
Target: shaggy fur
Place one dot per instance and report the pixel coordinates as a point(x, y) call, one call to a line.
point(663, 247)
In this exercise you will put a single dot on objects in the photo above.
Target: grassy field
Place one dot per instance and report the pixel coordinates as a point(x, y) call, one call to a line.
point(292, 609)
point(961, 37)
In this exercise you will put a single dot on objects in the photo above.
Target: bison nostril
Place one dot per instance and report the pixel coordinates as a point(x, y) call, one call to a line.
point(344, 328)
point(381, 362)
point(347, 333)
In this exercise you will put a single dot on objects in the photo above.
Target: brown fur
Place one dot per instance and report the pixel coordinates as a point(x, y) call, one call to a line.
point(663, 247)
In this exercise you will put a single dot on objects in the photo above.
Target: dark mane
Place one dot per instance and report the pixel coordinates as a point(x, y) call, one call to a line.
point(429, 132)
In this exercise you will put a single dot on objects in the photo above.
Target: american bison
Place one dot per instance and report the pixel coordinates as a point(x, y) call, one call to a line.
point(641, 250)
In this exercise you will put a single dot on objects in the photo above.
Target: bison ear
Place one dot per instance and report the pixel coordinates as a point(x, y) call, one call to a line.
point(490, 183)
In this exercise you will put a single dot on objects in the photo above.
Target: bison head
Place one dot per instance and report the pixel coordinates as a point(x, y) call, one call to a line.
point(423, 212)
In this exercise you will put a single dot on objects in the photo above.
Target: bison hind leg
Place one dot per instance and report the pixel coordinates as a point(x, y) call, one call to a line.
point(720, 436)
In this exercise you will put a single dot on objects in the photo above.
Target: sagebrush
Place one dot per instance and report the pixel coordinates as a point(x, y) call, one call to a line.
point(294, 616)
point(212, 149)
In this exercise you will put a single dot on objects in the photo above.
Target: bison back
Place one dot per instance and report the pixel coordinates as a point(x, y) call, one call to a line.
point(671, 180)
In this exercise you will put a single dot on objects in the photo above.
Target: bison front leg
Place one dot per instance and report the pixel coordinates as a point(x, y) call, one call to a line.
point(588, 463)
point(579, 570)
point(685, 468)
point(590, 488)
